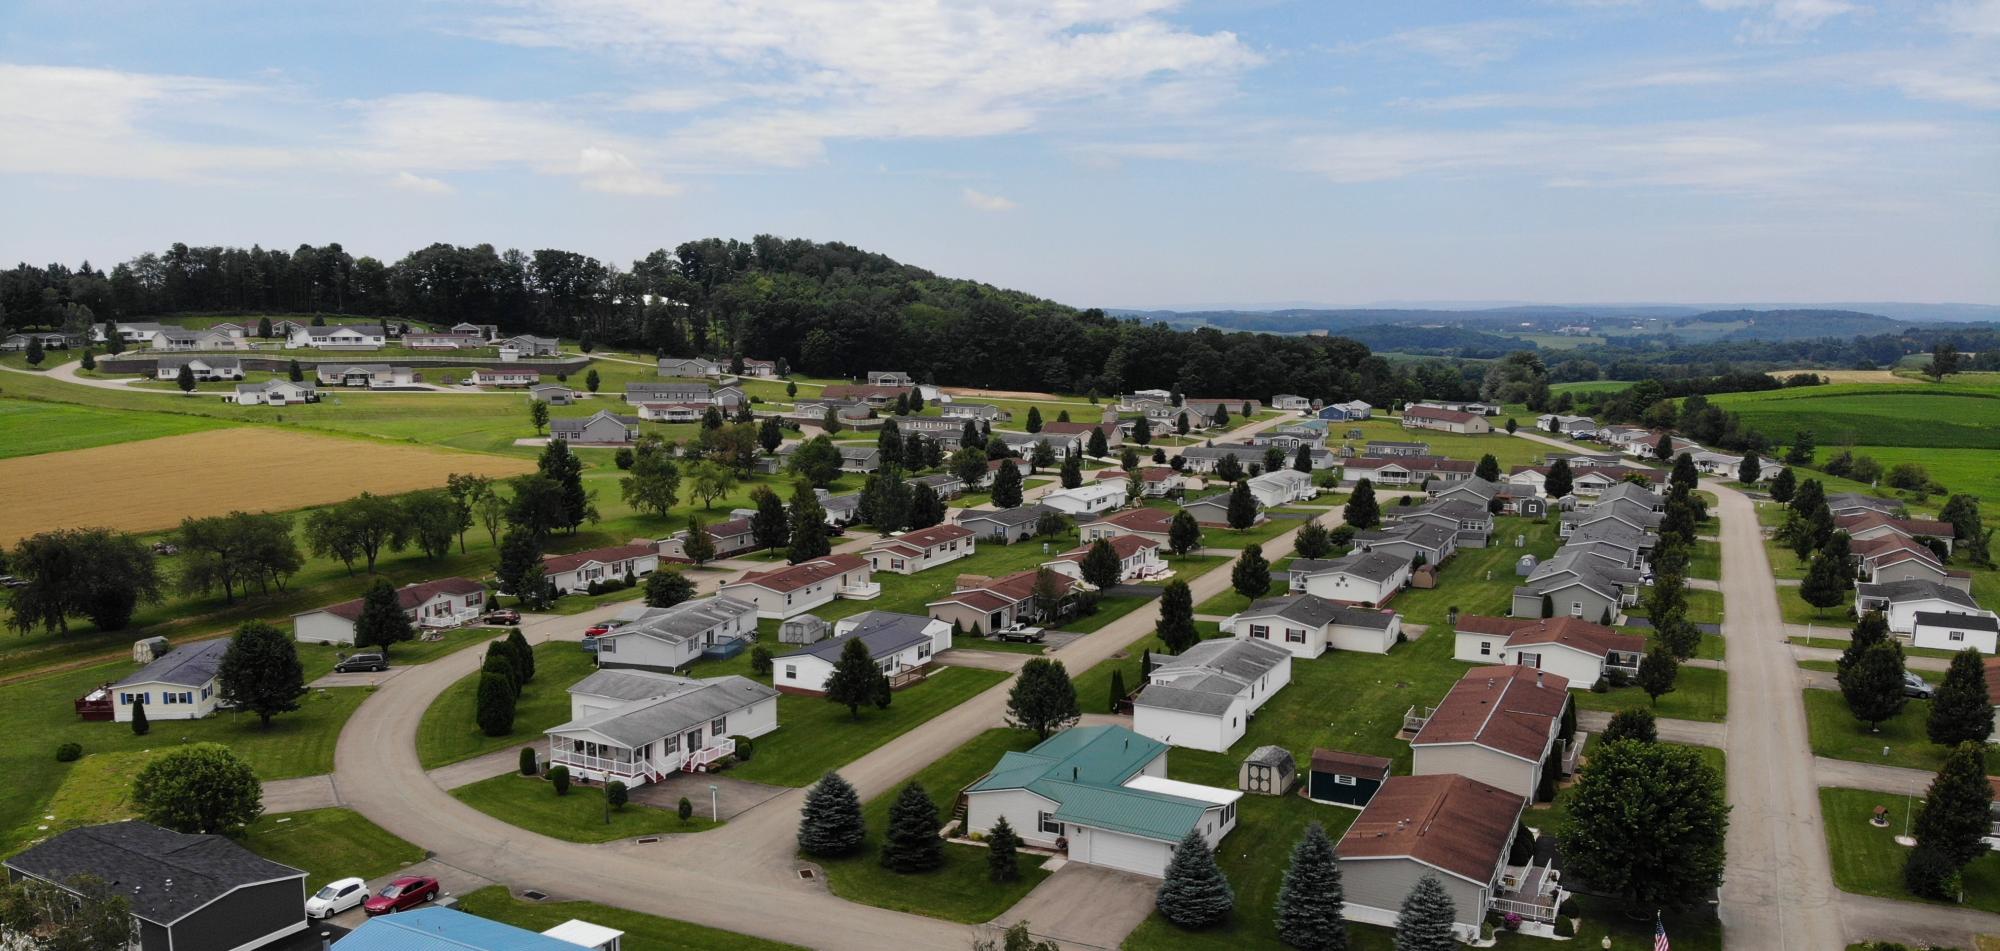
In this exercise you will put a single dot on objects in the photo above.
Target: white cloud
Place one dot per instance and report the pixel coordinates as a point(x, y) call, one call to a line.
point(418, 183)
point(1782, 19)
point(1972, 17)
point(1462, 45)
point(985, 202)
point(604, 170)
point(103, 123)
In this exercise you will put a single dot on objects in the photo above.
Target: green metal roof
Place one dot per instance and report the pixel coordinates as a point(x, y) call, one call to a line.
point(1083, 771)
point(1133, 811)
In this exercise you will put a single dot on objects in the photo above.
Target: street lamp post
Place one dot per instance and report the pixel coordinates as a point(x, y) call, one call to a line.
point(714, 804)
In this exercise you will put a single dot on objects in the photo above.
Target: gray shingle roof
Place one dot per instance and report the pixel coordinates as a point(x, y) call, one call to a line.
point(885, 632)
point(138, 860)
point(1969, 622)
point(1915, 590)
point(644, 721)
point(189, 665)
point(1245, 660)
point(629, 685)
point(684, 620)
point(1316, 611)
point(1018, 515)
point(1172, 697)
point(1374, 565)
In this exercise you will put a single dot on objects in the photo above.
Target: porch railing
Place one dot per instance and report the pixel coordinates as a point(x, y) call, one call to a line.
point(699, 760)
point(1415, 718)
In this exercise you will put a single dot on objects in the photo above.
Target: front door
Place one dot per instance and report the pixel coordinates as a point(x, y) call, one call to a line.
point(692, 740)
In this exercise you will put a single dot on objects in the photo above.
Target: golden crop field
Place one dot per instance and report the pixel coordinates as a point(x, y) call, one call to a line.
point(1849, 376)
point(152, 484)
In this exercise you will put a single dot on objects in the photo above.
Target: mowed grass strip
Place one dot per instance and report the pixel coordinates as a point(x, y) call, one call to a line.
point(155, 483)
point(330, 844)
point(581, 816)
point(1867, 860)
point(32, 427)
point(642, 932)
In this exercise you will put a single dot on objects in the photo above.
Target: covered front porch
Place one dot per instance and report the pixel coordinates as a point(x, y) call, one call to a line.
point(594, 760)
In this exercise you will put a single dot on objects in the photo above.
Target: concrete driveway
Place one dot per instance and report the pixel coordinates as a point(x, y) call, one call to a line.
point(1085, 906)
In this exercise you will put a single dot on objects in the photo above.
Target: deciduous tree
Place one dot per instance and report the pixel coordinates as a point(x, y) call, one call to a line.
point(1646, 821)
point(261, 672)
point(1042, 698)
point(382, 622)
point(199, 788)
point(1176, 626)
point(1873, 686)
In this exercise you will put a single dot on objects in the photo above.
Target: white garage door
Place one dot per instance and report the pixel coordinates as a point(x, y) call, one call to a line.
point(1128, 853)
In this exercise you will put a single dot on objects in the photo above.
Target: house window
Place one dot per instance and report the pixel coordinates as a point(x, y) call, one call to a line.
point(1261, 632)
point(1228, 813)
point(1956, 636)
point(791, 671)
point(1344, 781)
point(1295, 635)
point(1049, 824)
point(923, 651)
point(671, 744)
point(1576, 609)
point(606, 645)
point(719, 727)
point(1485, 648)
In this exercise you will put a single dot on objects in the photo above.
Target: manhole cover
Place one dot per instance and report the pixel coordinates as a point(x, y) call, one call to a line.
point(533, 895)
point(806, 874)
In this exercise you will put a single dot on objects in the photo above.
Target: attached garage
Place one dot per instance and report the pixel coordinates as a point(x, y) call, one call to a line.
point(1126, 853)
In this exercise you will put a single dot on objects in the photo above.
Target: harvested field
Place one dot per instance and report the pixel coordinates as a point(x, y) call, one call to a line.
point(152, 484)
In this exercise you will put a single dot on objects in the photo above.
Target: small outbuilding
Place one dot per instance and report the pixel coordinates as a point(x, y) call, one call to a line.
point(804, 629)
point(148, 649)
point(1269, 771)
point(1345, 779)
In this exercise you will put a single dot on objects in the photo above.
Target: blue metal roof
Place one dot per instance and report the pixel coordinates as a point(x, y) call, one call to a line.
point(444, 929)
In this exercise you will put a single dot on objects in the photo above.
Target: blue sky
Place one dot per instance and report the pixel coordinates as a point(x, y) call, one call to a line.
point(1102, 152)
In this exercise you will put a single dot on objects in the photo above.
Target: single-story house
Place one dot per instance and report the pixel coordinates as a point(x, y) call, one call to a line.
point(795, 589)
point(890, 378)
point(639, 726)
point(1855, 503)
point(274, 393)
point(1867, 525)
point(1499, 725)
point(1148, 523)
point(981, 411)
point(986, 605)
point(1291, 402)
point(1062, 444)
point(1203, 697)
point(529, 345)
point(1345, 779)
point(1454, 828)
point(169, 337)
point(1955, 631)
point(183, 891)
point(445, 602)
point(1447, 420)
point(729, 538)
point(1902, 600)
point(487, 331)
point(689, 367)
point(448, 929)
point(1386, 448)
point(1352, 409)
point(1282, 487)
point(1406, 470)
point(944, 485)
point(442, 340)
point(1090, 499)
point(1575, 587)
point(602, 428)
point(1214, 509)
point(504, 376)
point(1411, 541)
point(1580, 651)
point(899, 644)
point(1138, 558)
point(922, 549)
point(1367, 579)
point(180, 685)
point(575, 572)
point(670, 638)
point(698, 394)
point(340, 337)
point(1309, 626)
point(554, 394)
point(1103, 792)
point(1564, 424)
point(363, 374)
point(1005, 526)
point(49, 341)
point(204, 369)
point(673, 412)
point(1202, 459)
point(877, 395)
point(1114, 435)
point(1896, 558)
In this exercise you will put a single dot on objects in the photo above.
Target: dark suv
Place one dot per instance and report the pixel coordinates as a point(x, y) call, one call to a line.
point(358, 662)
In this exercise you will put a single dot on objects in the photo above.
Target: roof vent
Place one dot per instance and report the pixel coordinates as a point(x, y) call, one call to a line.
point(1075, 772)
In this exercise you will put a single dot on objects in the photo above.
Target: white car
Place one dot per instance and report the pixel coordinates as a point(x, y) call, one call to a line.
point(337, 897)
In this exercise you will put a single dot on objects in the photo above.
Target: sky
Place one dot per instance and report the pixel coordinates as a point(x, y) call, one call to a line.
point(1115, 153)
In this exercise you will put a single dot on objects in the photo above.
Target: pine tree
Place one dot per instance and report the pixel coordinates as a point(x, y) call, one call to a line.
point(1194, 893)
point(830, 823)
point(1117, 688)
point(857, 679)
point(382, 621)
point(1873, 686)
point(1183, 533)
point(1871, 629)
point(912, 843)
point(1809, 496)
point(1002, 853)
point(1310, 899)
point(1425, 921)
point(1034, 424)
point(1955, 813)
point(808, 535)
point(89, 360)
point(1242, 511)
point(1007, 485)
point(1750, 470)
point(495, 711)
point(1142, 431)
point(1251, 577)
point(1488, 469)
point(1961, 711)
point(1302, 461)
point(770, 527)
point(1560, 482)
point(1097, 447)
point(1826, 581)
point(1176, 626)
point(140, 725)
point(524, 656)
point(1072, 472)
point(1783, 485)
point(1362, 511)
point(1312, 541)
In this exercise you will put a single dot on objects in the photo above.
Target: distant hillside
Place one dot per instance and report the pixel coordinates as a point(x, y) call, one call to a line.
point(1375, 326)
point(1789, 324)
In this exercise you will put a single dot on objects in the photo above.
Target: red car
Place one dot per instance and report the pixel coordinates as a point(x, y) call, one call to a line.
point(601, 627)
point(402, 894)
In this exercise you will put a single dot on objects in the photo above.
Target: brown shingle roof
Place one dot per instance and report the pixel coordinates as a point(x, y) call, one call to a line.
point(408, 597)
point(1125, 546)
point(1594, 639)
point(1450, 822)
point(559, 563)
point(794, 577)
point(925, 537)
point(1514, 710)
point(1350, 764)
point(1445, 415)
point(1141, 520)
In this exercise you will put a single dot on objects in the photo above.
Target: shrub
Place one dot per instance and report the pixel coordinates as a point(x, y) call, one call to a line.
point(69, 752)
point(559, 778)
point(760, 661)
point(1565, 927)
point(685, 810)
point(596, 587)
point(744, 748)
point(530, 764)
point(615, 794)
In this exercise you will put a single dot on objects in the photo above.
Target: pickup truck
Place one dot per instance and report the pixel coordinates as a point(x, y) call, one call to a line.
point(1020, 635)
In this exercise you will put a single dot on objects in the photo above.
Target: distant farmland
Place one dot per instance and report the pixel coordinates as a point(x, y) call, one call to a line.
point(29, 427)
point(152, 484)
point(1949, 416)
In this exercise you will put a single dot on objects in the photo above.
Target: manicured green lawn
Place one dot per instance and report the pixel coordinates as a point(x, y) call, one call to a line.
point(814, 736)
point(642, 932)
point(1223, 537)
point(1707, 561)
point(960, 891)
point(35, 426)
point(532, 804)
point(1837, 735)
point(1867, 860)
point(1840, 643)
point(1231, 602)
point(450, 732)
point(1699, 694)
point(1796, 611)
point(318, 659)
point(1189, 567)
point(1109, 609)
point(330, 844)
point(910, 594)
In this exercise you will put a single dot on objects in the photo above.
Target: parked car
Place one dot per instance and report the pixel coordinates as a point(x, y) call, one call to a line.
point(1915, 686)
point(601, 627)
point(503, 616)
point(359, 662)
point(336, 897)
point(402, 894)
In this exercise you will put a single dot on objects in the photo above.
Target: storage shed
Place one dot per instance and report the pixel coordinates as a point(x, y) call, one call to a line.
point(1345, 779)
point(148, 649)
point(804, 629)
point(1269, 771)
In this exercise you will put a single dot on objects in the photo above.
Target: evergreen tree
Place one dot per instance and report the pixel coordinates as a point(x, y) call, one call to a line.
point(1750, 470)
point(558, 463)
point(1142, 431)
point(699, 547)
point(1242, 512)
point(1251, 577)
point(382, 622)
point(926, 508)
point(1560, 482)
point(1873, 686)
point(808, 518)
point(1229, 468)
point(1961, 711)
point(1007, 485)
point(1312, 541)
point(912, 843)
point(140, 725)
point(1302, 460)
point(1657, 672)
point(1809, 497)
point(1194, 893)
point(1043, 699)
point(1310, 900)
point(1646, 822)
point(185, 380)
point(1826, 582)
point(524, 656)
point(1117, 689)
point(1684, 476)
point(297, 374)
point(1176, 626)
point(1003, 845)
point(1783, 485)
point(770, 527)
point(1425, 921)
point(89, 360)
point(830, 823)
point(857, 679)
point(1362, 511)
point(1955, 814)
point(1097, 447)
point(1072, 472)
point(770, 435)
point(1489, 468)
point(1636, 725)
point(495, 710)
point(1034, 419)
point(1871, 629)
point(260, 671)
point(1183, 533)
point(1100, 566)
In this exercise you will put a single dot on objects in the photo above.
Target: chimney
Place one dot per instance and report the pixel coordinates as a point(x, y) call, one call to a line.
point(1538, 680)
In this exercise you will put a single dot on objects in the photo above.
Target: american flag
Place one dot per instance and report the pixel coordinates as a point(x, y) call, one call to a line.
point(1660, 934)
